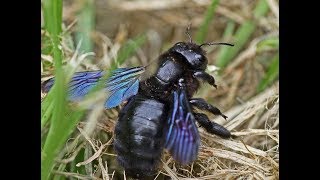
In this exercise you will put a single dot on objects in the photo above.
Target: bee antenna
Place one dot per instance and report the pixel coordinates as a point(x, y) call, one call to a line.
point(188, 33)
point(219, 43)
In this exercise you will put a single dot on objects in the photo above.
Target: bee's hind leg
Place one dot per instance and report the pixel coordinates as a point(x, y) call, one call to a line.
point(211, 127)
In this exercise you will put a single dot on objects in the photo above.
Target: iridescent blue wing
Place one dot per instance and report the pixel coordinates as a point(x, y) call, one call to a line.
point(120, 86)
point(80, 84)
point(182, 140)
point(123, 84)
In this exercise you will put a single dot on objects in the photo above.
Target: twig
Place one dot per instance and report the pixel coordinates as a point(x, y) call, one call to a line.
point(74, 155)
point(88, 139)
point(75, 175)
point(124, 175)
point(104, 170)
point(248, 53)
point(234, 157)
point(146, 5)
point(274, 7)
point(249, 109)
point(230, 14)
point(169, 171)
point(236, 146)
point(256, 132)
point(238, 75)
point(96, 155)
point(254, 156)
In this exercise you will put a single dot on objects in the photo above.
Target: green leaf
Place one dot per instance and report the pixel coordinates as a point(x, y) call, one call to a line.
point(228, 32)
point(267, 44)
point(203, 30)
point(242, 36)
point(271, 75)
point(128, 49)
point(86, 25)
point(261, 9)
point(53, 20)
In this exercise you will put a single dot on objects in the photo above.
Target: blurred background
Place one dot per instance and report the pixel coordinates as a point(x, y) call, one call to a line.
point(105, 34)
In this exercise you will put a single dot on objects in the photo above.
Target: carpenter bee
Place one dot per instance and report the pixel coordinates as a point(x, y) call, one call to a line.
point(159, 113)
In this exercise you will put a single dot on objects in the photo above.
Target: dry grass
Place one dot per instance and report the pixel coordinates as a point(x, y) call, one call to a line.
point(252, 152)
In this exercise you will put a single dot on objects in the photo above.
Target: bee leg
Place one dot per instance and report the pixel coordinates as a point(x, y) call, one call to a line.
point(203, 105)
point(205, 77)
point(211, 127)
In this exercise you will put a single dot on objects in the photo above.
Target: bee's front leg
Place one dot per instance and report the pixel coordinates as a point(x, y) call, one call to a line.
point(203, 76)
point(203, 105)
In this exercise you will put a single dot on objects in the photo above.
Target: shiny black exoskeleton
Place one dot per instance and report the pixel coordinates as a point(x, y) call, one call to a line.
point(140, 132)
point(139, 135)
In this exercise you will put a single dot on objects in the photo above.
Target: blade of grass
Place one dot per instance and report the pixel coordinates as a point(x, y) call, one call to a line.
point(267, 44)
point(203, 30)
point(57, 136)
point(271, 75)
point(46, 109)
point(88, 154)
point(53, 20)
point(85, 25)
point(128, 49)
point(227, 35)
point(57, 176)
point(53, 16)
point(261, 9)
point(229, 30)
point(242, 36)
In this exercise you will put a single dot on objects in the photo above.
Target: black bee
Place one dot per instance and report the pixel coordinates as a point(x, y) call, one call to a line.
point(159, 111)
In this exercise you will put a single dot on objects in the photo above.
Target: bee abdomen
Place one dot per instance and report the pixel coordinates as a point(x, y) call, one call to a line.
point(139, 136)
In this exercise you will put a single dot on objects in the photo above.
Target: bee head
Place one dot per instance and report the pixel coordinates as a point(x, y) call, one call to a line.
point(193, 53)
